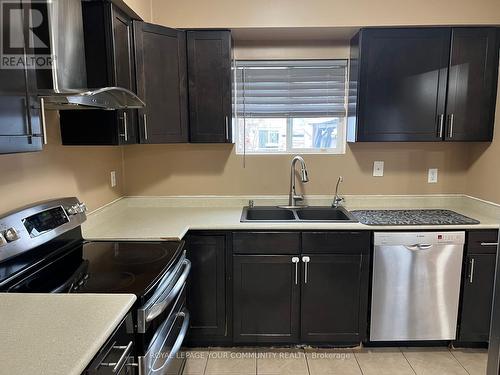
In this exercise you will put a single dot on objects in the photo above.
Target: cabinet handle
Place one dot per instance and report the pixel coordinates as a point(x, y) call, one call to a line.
point(296, 261)
point(117, 366)
point(145, 123)
point(471, 274)
point(227, 127)
point(452, 118)
point(125, 126)
point(306, 261)
point(441, 125)
point(489, 243)
point(42, 120)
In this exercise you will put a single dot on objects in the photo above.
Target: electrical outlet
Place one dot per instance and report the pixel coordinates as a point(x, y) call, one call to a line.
point(378, 168)
point(113, 179)
point(432, 177)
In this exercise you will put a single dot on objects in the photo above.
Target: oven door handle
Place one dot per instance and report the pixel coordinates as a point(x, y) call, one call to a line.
point(169, 295)
point(184, 314)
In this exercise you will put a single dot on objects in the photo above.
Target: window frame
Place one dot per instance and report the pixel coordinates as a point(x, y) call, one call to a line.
point(341, 128)
point(340, 150)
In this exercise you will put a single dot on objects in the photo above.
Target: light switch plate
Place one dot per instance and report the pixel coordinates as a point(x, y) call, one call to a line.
point(113, 179)
point(378, 168)
point(432, 177)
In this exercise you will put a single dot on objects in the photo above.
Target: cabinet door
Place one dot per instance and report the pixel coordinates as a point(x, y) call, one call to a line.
point(472, 85)
point(331, 299)
point(161, 83)
point(477, 298)
point(266, 299)
point(20, 127)
point(402, 84)
point(209, 74)
point(206, 291)
point(124, 71)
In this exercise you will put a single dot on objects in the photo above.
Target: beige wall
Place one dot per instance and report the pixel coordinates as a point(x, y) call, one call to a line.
point(59, 171)
point(317, 49)
point(322, 13)
point(142, 7)
point(483, 177)
point(216, 169)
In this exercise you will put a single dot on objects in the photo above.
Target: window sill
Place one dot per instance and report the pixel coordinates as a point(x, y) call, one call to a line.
point(302, 152)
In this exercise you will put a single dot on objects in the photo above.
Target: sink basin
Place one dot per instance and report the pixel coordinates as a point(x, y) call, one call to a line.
point(276, 214)
point(267, 214)
point(324, 214)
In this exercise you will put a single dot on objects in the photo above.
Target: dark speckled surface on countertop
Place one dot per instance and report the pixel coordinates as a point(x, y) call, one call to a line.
point(411, 217)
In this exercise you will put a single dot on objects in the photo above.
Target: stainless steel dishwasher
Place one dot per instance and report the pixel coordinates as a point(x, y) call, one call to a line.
point(416, 285)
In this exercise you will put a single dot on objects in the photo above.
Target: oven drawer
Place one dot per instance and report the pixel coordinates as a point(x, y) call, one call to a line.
point(167, 292)
point(161, 355)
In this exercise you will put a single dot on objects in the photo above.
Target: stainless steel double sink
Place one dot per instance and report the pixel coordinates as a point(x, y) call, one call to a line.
point(303, 214)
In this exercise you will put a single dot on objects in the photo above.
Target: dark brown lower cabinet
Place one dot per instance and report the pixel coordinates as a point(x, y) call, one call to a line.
point(317, 297)
point(477, 298)
point(207, 286)
point(477, 286)
point(266, 299)
point(331, 295)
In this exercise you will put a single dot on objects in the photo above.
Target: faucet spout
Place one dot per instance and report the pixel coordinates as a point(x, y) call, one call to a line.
point(293, 197)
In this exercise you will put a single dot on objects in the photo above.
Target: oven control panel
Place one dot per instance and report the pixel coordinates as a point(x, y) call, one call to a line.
point(32, 226)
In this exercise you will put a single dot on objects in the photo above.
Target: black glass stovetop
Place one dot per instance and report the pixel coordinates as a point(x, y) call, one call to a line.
point(96, 267)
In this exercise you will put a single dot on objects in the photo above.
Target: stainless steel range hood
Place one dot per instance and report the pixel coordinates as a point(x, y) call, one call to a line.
point(108, 98)
point(69, 76)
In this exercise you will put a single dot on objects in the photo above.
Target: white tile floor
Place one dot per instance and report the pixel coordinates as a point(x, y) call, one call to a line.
point(310, 361)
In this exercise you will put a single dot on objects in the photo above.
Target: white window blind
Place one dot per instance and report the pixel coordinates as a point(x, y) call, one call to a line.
point(290, 106)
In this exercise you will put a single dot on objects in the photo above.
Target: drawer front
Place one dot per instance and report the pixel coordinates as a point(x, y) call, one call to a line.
point(336, 242)
point(266, 243)
point(482, 242)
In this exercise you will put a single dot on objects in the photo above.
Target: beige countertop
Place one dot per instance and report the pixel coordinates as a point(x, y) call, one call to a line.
point(56, 333)
point(170, 218)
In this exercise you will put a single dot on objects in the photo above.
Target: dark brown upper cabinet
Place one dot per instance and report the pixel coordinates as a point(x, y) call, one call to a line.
point(422, 84)
point(472, 84)
point(109, 57)
point(397, 84)
point(209, 77)
point(160, 57)
point(20, 125)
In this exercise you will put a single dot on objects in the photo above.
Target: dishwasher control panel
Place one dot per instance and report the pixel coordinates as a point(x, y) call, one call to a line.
point(418, 238)
point(451, 237)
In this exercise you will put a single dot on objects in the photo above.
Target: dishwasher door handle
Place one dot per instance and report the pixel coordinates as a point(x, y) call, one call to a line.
point(417, 247)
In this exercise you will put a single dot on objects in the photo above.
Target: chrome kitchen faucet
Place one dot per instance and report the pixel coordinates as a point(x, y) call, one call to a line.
point(293, 197)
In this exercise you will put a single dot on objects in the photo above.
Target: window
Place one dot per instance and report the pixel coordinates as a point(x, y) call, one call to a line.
point(290, 106)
